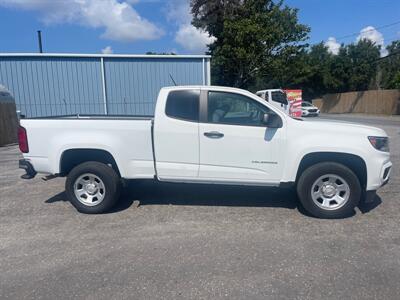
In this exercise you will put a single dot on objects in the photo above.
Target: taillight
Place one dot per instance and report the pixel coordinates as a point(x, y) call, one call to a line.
point(23, 140)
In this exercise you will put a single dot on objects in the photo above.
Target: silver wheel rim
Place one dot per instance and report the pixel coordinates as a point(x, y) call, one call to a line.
point(330, 192)
point(89, 189)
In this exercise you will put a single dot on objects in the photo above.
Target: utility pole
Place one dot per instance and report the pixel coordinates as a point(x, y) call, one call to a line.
point(39, 33)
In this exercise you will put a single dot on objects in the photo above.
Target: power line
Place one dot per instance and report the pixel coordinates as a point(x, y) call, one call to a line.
point(391, 39)
point(369, 30)
point(394, 53)
point(358, 33)
point(389, 55)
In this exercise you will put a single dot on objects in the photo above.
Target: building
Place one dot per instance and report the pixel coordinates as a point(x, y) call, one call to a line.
point(46, 84)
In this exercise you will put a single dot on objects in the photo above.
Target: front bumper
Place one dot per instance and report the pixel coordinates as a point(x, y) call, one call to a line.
point(378, 174)
point(385, 173)
point(28, 167)
point(306, 113)
point(369, 196)
point(380, 181)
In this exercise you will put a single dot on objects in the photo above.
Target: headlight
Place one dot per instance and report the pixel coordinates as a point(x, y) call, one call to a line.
point(379, 143)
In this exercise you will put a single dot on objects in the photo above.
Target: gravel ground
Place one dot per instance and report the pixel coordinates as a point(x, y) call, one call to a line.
point(195, 242)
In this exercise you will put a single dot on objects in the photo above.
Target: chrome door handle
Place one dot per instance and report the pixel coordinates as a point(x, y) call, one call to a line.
point(214, 134)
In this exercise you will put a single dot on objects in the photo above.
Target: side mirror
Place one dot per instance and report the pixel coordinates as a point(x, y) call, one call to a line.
point(272, 120)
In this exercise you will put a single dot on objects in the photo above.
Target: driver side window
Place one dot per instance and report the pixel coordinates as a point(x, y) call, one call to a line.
point(234, 109)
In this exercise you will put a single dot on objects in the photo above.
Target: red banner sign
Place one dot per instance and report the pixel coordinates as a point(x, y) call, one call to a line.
point(295, 98)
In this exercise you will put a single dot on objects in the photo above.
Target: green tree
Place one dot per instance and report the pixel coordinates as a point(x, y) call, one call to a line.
point(317, 76)
point(363, 68)
point(354, 68)
point(254, 38)
point(390, 67)
point(339, 69)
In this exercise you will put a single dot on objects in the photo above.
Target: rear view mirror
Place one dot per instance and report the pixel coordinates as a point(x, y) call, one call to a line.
point(272, 120)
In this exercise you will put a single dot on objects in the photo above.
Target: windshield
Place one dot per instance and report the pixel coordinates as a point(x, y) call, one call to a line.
point(279, 97)
point(306, 104)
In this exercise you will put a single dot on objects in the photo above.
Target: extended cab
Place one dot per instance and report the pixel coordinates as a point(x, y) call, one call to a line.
point(205, 134)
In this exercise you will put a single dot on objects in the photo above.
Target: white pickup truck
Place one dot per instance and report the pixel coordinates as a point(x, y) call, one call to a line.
point(277, 98)
point(206, 134)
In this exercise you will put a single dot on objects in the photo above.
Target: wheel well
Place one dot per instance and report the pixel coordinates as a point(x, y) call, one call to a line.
point(354, 162)
point(73, 157)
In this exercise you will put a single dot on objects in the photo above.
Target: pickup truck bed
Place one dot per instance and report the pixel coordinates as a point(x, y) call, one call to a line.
point(49, 138)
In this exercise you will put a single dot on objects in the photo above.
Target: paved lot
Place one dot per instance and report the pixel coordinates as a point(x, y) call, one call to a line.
point(195, 242)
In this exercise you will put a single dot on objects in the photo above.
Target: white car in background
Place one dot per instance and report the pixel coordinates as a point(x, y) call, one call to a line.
point(309, 110)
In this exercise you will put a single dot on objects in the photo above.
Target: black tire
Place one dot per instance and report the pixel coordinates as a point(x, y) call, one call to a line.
point(109, 178)
point(312, 174)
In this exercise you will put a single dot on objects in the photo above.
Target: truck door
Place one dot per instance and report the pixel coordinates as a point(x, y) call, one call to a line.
point(235, 145)
point(176, 135)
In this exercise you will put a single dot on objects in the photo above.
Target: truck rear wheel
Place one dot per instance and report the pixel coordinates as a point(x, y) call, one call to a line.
point(329, 190)
point(92, 187)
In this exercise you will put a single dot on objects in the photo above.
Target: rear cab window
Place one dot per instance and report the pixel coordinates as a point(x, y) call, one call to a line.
point(183, 105)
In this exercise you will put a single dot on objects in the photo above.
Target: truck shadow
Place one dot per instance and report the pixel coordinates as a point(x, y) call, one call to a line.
point(149, 192)
point(160, 193)
point(367, 207)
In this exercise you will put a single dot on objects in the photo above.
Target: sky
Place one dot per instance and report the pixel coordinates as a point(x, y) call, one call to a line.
point(138, 26)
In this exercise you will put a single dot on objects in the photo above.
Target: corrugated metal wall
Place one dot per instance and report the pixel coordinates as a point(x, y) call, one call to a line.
point(49, 85)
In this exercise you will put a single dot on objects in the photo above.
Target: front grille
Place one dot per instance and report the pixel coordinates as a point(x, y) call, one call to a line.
point(312, 110)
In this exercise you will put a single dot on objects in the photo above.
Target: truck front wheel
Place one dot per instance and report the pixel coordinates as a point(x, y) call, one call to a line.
point(329, 190)
point(92, 187)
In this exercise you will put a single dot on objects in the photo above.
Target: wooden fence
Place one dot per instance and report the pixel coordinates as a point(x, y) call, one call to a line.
point(385, 102)
point(8, 123)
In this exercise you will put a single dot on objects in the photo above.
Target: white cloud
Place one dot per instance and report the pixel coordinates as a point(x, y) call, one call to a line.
point(370, 33)
point(333, 45)
point(193, 39)
point(189, 37)
point(107, 50)
point(119, 19)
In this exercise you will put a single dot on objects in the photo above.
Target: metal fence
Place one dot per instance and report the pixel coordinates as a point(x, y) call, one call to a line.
point(63, 84)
